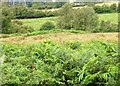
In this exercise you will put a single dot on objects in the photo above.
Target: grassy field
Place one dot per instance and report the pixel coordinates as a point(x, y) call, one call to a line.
point(113, 17)
point(37, 22)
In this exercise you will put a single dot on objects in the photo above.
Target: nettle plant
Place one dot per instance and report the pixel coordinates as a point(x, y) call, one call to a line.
point(50, 63)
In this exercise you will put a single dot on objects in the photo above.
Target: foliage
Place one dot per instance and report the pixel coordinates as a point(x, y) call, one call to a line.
point(23, 12)
point(17, 22)
point(66, 17)
point(21, 29)
point(105, 8)
point(113, 7)
point(31, 13)
point(7, 15)
point(48, 5)
point(47, 26)
point(82, 19)
point(107, 26)
point(51, 13)
point(85, 19)
point(37, 22)
point(118, 7)
point(74, 45)
point(48, 63)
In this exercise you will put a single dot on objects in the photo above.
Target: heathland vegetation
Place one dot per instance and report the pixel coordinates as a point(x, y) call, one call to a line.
point(77, 46)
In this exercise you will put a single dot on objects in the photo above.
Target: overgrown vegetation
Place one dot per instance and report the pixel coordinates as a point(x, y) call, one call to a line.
point(47, 26)
point(7, 14)
point(49, 63)
point(10, 27)
point(106, 8)
point(65, 21)
point(83, 19)
point(23, 12)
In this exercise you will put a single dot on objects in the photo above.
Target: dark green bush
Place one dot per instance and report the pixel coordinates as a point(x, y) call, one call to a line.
point(113, 7)
point(66, 17)
point(85, 19)
point(7, 15)
point(98, 9)
point(47, 26)
point(105, 8)
point(118, 8)
point(22, 12)
point(106, 26)
point(21, 29)
point(81, 19)
point(38, 14)
point(15, 28)
point(51, 13)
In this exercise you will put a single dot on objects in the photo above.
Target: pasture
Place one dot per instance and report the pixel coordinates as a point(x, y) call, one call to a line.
point(37, 22)
point(112, 17)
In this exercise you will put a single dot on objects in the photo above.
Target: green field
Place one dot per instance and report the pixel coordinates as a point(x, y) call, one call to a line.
point(36, 23)
point(113, 17)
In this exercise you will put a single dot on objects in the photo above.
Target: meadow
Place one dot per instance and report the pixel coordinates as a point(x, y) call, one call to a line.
point(36, 23)
point(113, 17)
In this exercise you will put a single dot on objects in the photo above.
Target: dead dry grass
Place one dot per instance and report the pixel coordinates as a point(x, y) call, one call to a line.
point(62, 37)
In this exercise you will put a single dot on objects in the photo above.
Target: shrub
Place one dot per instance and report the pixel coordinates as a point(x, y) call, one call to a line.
point(105, 8)
point(19, 29)
point(98, 9)
point(25, 29)
point(85, 19)
point(47, 26)
point(118, 7)
point(51, 13)
point(20, 11)
point(106, 26)
point(38, 14)
point(81, 19)
point(66, 17)
point(7, 15)
point(17, 22)
point(113, 7)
